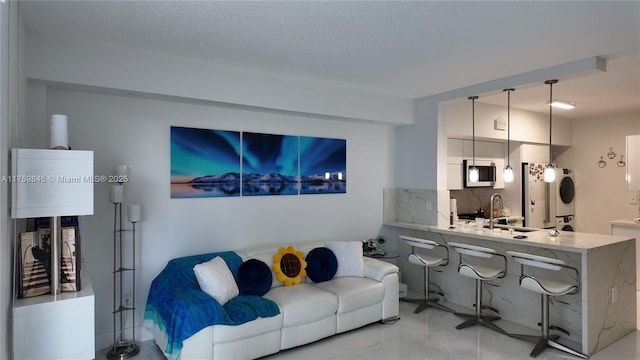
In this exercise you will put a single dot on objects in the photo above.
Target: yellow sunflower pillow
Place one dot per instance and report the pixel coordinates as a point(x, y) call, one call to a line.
point(289, 266)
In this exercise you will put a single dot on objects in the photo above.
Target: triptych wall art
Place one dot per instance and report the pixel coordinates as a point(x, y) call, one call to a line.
point(221, 163)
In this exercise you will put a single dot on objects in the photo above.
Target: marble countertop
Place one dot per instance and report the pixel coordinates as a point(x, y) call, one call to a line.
point(626, 222)
point(567, 240)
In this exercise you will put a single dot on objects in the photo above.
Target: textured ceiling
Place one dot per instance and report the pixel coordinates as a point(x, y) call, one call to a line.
point(409, 49)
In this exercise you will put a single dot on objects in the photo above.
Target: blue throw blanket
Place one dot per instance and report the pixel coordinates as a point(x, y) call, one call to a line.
point(180, 309)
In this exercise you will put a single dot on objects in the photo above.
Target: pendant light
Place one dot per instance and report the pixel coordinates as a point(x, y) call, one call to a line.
point(508, 170)
point(550, 171)
point(474, 175)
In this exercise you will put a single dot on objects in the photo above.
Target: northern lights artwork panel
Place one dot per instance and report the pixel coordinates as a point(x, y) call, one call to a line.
point(269, 164)
point(204, 163)
point(223, 163)
point(323, 165)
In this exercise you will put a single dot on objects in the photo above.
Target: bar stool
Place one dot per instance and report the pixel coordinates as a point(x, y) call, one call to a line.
point(427, 262)
point(546, 288)
point(480, 273)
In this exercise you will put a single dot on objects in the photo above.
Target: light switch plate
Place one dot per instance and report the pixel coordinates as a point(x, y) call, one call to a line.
point(500, 124)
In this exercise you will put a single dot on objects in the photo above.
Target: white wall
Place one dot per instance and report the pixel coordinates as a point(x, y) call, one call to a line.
point(186, 92)
point(56, 59)
point(601, 194)
point(135, 132)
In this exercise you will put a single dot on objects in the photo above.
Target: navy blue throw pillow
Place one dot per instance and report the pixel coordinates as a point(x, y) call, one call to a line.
point(322, 264)
point(254, 278)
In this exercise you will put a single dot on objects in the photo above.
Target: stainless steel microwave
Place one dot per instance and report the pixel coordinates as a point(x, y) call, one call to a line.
point(486, 172)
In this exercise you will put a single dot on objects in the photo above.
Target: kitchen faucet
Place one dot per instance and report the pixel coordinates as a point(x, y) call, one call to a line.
point(492, 201)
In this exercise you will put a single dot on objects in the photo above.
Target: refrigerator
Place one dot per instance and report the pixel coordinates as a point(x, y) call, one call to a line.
point(538, 197)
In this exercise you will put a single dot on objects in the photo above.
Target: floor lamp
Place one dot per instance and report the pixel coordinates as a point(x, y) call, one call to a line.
point(51, 183)
point(121, 348)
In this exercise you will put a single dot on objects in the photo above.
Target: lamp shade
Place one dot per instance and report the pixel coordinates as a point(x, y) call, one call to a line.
point(122, 170)
point(474, 174)
point(59, 136)
point(134, 212)
point(51, 183)
point(508, 174)
point(116, 194)
point(549, 175)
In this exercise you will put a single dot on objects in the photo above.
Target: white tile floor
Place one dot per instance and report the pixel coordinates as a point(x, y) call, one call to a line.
point(429, 335)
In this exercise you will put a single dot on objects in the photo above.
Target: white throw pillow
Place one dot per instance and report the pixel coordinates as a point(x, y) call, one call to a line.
point(215, 278)
point(349, 256)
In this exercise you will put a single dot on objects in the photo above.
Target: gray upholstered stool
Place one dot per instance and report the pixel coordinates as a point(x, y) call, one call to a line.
point(546, 288)
point(427, 262)
point(480, 273)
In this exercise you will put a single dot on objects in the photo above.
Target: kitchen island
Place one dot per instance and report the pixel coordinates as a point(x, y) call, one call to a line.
point(601, 313)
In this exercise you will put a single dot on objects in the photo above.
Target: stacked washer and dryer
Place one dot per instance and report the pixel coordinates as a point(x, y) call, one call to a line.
point(565, 199)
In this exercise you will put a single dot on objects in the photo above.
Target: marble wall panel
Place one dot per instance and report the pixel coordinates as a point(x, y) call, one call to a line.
point(607, 268)
point(416, 206)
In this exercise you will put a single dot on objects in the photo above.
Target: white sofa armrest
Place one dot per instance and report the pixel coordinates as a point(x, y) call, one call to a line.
point(376, 269)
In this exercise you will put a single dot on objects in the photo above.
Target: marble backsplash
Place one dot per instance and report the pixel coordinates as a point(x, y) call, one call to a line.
point(415, 206)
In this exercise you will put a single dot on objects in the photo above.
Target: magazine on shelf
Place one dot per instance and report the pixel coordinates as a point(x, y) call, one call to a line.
point(70, 264)
point(33, 265)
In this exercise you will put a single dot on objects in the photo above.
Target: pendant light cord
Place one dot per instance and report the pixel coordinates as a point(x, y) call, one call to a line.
point(509, 124)
point(550, 119)
point(550, 82)
point(473, 126)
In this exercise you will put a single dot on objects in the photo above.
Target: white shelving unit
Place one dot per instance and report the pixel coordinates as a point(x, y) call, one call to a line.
point(55, 326)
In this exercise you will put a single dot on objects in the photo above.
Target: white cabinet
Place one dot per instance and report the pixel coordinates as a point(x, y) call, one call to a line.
point(484, 150)
point(460, 149)
point(55, 327)
point(534, 153)
point(454, 177)
point(455, 155)
point(499, 174)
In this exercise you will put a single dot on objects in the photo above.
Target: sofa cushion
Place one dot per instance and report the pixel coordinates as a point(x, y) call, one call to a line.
point(303, 303)
point(261, 325)
point(215, 279)
point(322, 264)
point(254, 277)
point(349, 255)
point(354, 293)
point(289, 265)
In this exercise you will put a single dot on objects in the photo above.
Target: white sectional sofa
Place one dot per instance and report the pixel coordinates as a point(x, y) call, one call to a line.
point(309, 311)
